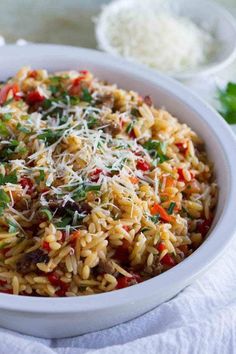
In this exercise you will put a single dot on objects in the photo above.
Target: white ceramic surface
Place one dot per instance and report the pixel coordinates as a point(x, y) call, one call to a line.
point(63, 317)
point(209, 15)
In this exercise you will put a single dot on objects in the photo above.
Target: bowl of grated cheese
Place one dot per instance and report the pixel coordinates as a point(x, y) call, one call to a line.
point(177, 38)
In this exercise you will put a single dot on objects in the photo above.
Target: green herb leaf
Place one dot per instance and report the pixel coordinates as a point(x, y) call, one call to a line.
point(11, 178)
point(129, 127)
point(47, 213)
point(64, 222)
point(4, 200)
point(12, 227)
point(41, 176)
point(227, 99)
point(3, 129)
point(85, 96)
point(92, 122)
point(157, 150)
point(23, 129)
point(155, 218)
point(50, 136)
point(171, 208)
point(6, 117)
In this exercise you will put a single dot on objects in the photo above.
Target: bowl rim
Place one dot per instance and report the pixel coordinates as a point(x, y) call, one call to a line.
point(207, 69)
point(192, 266)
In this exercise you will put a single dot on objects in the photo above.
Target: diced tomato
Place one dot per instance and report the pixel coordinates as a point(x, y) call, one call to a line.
point(54, 279)
point(26, 182)
point(124, 282)
point(132, 134)
point(46, 246)
point(168, 260)
point(161, 247)
point(63, 289)
point(126, 228)
point(122, 254)
point(182, 146)
point(34, 97)
point(33, 74)
point(158, 209)
point(5, 91)
point(143, 165)
point(94, 176)
point(76, 84)
point(181, 177)
point(204, 226)
point(84, 72)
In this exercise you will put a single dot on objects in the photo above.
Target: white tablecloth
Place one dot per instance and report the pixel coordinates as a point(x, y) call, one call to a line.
point(200, 319)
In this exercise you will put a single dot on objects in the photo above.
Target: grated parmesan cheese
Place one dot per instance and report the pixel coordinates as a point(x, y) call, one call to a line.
point(159, 39)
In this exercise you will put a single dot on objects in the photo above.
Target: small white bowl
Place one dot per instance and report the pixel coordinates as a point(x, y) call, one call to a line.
point(208, 15)
point(65, 317)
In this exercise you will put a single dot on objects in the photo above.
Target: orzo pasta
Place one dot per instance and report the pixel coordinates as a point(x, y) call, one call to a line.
point(99, 190)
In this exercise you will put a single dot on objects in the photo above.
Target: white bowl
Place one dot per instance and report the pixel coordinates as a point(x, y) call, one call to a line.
point(63, 317)
point(209, 15)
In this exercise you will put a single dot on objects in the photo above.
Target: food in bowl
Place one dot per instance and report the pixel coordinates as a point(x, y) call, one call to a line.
point(99, 189)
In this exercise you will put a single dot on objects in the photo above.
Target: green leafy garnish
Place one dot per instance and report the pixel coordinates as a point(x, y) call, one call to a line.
point(23, 129)
point(10, 149)
point(41, 176)
point(6, 117)
point(157, 150)
point(81, 191)
point(91, 122)
point(85, 96)
point(11, 178)
point(227, 98)
point(47, 213)
point(12, 227)
point(129, 127)
point(3, 129)
point(64, 222)
point(155, 218)
point(171, 208)
point(4, 200)
point(50, 136)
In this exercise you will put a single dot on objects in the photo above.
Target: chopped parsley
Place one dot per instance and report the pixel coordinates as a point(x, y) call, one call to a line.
point(41, 176)
point(4, 200)
point(6, 117)
point(171, 208)
point(23, 129)
point(92, 122)
point(157, 150)
point(13, 227)
point(50, 136)
point(227, 99)
point(47, 213)
point(155, 218)
point(11, 178)
point(85, 95)
point(3, 130)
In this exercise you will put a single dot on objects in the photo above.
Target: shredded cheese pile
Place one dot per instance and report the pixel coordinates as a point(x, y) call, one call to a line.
point(159, 39)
